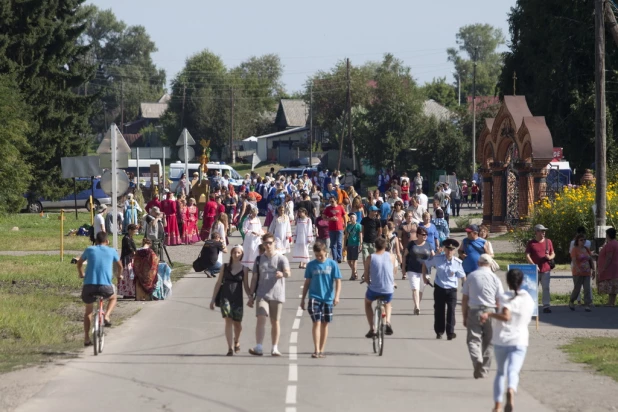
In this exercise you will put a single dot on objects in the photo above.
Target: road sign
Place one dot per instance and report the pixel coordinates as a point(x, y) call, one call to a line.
point(122, 182)
point(106, 144)
point(181, 140)
point(190, 153)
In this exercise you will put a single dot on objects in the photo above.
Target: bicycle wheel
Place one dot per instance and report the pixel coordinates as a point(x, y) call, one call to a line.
point(376, 324)
point(380, 333)
point(95, 332)
point(101, 331)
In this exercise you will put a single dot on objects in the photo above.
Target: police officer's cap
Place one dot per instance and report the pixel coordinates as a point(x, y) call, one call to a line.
point(451, 244)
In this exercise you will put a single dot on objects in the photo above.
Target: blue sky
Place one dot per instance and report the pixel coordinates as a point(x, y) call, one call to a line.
point(309, 36)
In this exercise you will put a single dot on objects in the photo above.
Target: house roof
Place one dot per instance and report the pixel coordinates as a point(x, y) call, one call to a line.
point(165, 98)
point(284, 132)
point(292, 113)
point(435, 109)
point(152, 110)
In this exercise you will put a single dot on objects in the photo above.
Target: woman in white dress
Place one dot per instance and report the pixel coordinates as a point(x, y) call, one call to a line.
point(253, 237)
point(302, 237)
point(280, 227)
point(289, 208)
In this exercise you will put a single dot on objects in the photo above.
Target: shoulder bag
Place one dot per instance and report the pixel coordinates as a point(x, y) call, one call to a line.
point(552, 262)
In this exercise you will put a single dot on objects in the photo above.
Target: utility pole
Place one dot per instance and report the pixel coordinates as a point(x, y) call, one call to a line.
point(122, 104)
point(182, 116)
point(474, 113)
point(350, 115)
point(311, 125)
point(600, 121)
point(231, 122)
point(458, 89)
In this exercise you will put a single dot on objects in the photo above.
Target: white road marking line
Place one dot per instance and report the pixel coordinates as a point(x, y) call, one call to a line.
point(293, 373)
point(290, 396)
point(296, 324)
point(293, 353)
point(299, 312)
point(300, 296)
point(290, 409)
point(294, 337)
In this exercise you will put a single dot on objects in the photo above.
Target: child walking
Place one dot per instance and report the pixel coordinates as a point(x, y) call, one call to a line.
point(302, 237)
point(353, 236)
point(323, 284)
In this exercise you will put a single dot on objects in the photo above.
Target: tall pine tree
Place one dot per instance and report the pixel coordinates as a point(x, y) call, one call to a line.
point(39, 48)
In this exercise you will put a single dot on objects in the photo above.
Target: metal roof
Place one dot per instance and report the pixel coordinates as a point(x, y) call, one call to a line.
point(295, 112)
point(152, 110)
point(433, 108)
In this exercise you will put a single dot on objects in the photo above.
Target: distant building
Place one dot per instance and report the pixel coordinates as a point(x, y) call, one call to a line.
point(291, 113)
point(149, 114)
point(431, 108)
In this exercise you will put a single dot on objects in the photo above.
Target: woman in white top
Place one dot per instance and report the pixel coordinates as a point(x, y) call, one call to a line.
point(510, 338)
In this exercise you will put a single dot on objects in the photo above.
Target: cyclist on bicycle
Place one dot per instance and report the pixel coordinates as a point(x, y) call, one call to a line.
point(98, 279)
point(380, 277)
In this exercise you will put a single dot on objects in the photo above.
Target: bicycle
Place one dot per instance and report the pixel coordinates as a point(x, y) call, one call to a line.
point(98, 326)
point(379, 326)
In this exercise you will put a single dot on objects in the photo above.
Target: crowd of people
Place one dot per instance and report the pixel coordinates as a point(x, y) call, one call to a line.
point(390, 229)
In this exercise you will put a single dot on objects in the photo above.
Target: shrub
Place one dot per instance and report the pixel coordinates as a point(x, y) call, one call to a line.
point(569, 210)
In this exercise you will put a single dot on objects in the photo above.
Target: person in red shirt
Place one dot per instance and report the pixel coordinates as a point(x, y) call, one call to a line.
point(154, 202)
point(210, 212)
point(335, 213)
point(540, 251)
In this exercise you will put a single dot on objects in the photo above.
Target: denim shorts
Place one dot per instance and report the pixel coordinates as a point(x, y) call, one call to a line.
point(320, 311)
point(371, 295)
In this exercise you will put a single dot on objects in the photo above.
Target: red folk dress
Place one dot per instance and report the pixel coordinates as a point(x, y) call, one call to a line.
point(210, 212)
point(173, 235)
point(190, 234)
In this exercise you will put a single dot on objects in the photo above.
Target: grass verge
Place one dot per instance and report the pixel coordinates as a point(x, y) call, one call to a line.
point(505, 259)
point(41, 311)
point(41, 233)
point(600, 353)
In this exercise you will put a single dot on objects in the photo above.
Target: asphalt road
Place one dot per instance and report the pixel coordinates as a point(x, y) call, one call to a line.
point(170, 357)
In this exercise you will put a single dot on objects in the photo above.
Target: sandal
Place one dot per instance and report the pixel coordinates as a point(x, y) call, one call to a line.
point(237, 347)
point(89, 343)
point(230, 352)
point(315, 355)
point(321, 355)
point(404, 277)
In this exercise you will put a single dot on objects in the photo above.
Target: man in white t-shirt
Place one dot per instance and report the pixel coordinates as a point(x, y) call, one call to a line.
point(422, 198)
point(99, 220)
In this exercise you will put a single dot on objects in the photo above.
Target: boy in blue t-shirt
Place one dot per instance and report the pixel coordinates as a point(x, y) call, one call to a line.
point(98, 279)
point(323, 283)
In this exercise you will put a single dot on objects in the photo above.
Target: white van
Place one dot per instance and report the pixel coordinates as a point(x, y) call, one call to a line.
point(178, 168)
point(144, 169)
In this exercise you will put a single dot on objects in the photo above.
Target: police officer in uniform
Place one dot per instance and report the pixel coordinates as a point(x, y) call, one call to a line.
point(448, 270)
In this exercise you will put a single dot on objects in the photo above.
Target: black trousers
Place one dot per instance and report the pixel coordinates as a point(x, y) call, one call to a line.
point(456, 207)
point(444, 320)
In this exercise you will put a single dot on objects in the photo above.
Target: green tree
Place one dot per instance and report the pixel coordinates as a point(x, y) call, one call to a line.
point(481, 40)
point(393, 114)
point(442, 92)
point(125, 70)
point(556, 74)
point(14, 171)
point(39, 48)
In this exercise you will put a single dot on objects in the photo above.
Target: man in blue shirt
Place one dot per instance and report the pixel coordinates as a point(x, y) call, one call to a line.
point(323, 283)
point(385, 212)
point(330, 192)
point(472, 248)
point(448, 270)
point(98, 279)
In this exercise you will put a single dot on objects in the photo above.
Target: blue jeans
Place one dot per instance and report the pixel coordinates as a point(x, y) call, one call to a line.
point(509, 360)
point(336, 240)
point(214, 269)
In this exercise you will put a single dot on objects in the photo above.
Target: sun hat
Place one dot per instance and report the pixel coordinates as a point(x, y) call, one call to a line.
point(101, 208)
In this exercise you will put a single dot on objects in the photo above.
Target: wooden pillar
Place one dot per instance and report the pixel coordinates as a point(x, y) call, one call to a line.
point(498, 198)
point(540, 183)
point(487, 188)
point(526, 191)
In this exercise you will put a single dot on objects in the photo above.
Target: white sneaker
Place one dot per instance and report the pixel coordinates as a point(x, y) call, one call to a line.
point(275, 352)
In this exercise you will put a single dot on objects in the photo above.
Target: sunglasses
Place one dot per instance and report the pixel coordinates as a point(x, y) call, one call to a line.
point(422, 234)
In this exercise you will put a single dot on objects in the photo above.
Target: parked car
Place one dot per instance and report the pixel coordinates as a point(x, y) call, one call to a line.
point(304, 161)
point(177, 169)
point(299, 171)
point(83, 197)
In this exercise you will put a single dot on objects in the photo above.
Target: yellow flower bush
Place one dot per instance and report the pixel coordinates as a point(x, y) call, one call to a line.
point(562, 216)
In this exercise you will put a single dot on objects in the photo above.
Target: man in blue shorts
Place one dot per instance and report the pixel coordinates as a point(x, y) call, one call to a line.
point(323, 283)
point(380, 277)
point(98, 279)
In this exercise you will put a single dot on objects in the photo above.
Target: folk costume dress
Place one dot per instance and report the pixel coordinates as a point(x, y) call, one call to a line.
point(281, 228)
point(252, 242)
point(302, 237)
point(190, 235)
point(173, 235)
point(131, 208)
point(210, 212)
